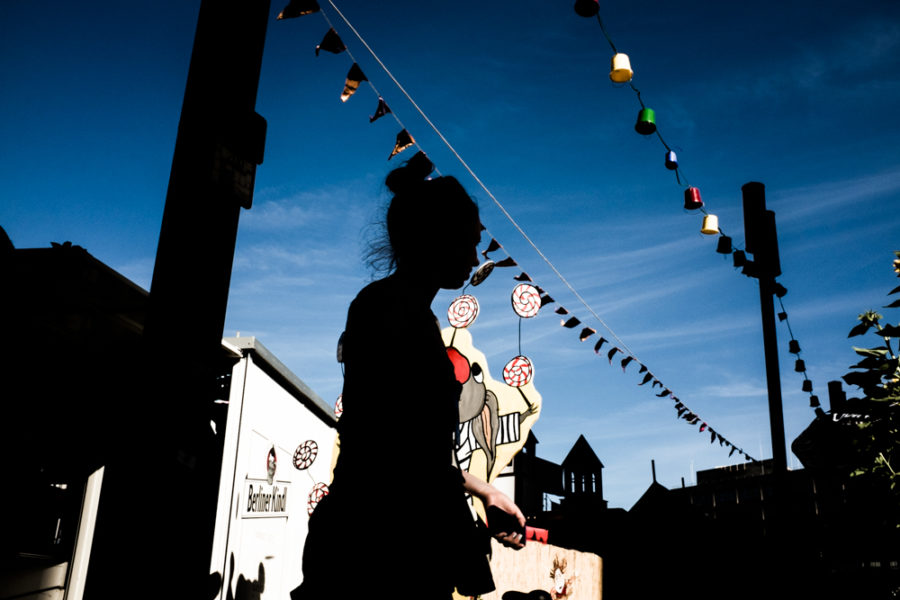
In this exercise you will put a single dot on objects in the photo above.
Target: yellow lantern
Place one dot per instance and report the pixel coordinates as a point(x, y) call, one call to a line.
point(710, 225)
point(620, 69)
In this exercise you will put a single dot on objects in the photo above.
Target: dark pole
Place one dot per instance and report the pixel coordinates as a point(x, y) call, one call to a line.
point(773, 377)
point(762, 242)
point(158, 505)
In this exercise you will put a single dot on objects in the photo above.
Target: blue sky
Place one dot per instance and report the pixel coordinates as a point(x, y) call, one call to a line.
point(801, 96)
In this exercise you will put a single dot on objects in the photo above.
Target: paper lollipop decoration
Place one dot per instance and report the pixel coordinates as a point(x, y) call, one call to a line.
point(462, 311)
point(526, 300)
point(319, 491)
point(339, 406)
point(305, 454)
point(518, 371)
point(482, 273)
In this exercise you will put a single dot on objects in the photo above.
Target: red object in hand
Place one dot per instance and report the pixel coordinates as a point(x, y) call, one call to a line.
point(536, 534)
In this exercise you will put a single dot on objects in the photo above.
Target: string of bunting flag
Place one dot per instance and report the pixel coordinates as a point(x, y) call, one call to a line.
point(621, 72)
point(332, 43)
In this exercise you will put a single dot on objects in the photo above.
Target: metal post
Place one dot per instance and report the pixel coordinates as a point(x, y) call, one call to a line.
point(157, 512)
point(773, 376)
point(759, 231)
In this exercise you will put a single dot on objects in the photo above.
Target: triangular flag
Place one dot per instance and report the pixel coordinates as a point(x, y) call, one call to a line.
point(404, 141)
point(625, 361)
point(647, 377)
point(523, 276)
point(599, 344)
point(570, 323)
point(382, 110)
point(611, 353)
point(506, 262)
point(545, 300)
point(664, 393)
point(298, 8)
point(331, 43)
point(586, 333)
point(643, 369)
point(561, 311)
point(703, 427)
point(354, 77)
point(733, 448)
point(493, 245)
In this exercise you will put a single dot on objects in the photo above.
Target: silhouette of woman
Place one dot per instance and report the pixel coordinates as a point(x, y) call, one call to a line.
point(397, 521)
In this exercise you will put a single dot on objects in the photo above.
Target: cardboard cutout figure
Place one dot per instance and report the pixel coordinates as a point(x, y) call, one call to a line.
point(494, 418)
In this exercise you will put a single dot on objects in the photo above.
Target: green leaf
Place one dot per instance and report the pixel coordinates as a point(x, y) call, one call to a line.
point(894, 291)
point(890, 331)
point(870, 362)
point(879, 352)
point(859, 329)
point(893, 304)
point(863, 380)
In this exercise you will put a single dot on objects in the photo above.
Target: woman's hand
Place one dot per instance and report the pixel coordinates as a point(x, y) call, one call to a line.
point(500, 501)
point(491, 496)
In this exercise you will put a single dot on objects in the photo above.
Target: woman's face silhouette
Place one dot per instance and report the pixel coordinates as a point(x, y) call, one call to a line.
point(457, 255)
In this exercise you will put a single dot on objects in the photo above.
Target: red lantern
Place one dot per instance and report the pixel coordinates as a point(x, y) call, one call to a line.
point(692, 200)
point(587, 8)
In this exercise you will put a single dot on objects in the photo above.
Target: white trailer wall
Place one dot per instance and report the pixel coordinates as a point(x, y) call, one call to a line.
point(262, 517)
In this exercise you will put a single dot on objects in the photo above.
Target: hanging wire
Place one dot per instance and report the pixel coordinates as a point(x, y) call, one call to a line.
point(477, 179)
point(608, 39)
point(623, 346)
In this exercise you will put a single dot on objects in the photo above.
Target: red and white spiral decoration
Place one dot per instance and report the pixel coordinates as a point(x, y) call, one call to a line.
point(518, 371)
point(462, 311)
point(305, 454)
point(482, 273)
point(339, 406)
point(526, 300)
point(319, 491)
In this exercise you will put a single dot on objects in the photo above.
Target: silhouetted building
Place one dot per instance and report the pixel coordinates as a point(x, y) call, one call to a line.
point(726, 535)
point(74, 371)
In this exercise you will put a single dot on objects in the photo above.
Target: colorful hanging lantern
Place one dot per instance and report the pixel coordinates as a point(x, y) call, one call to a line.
point(587, 8)
point(814, 402)
point(620, 68)
point(724, 245)
point(794, 347)
point(807, 385)
point(739, 258)
point(646, 122)
point(800, 366)
point(692, 198)
point(671, 160)
point(710, 225)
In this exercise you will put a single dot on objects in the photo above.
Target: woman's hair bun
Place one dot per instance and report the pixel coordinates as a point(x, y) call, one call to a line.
point(410, 174)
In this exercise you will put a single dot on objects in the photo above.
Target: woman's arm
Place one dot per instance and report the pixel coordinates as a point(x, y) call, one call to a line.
point(491, 496)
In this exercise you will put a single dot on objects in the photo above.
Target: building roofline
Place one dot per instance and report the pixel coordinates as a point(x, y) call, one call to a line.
point(276, 369)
